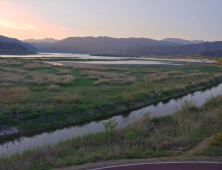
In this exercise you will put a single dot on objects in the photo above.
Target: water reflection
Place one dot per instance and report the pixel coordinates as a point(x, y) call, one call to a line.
point(51, 136)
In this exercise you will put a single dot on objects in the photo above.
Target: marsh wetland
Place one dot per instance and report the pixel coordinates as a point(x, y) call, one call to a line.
point(51, 103)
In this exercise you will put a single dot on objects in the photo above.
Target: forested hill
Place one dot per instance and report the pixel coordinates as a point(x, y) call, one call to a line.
point(13, 40)
point(13, 48)
point(172, 50)
point(210, 53)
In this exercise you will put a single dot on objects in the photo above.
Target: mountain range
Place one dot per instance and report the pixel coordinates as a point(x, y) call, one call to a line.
point(101, 44)
point(172, 50)
point(97, 44)
point(46, 40)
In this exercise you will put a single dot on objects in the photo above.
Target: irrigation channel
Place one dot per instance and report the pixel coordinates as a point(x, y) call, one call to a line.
point(19, 143)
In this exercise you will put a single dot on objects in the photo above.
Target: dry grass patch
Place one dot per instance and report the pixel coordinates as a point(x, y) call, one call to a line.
point(194, 71)
point(53, 87)
point(10, 62)
point(22, 76)
point(13, 94)
point(65, 98)
point(155, 77)
point(116, 80)
point(11, 70)
point(107, 77)
point(33, 66)
point(63, 71)
point(98, 74)
point(218, 75)
point(41, 78)
point(13, 77)
point(201, 82)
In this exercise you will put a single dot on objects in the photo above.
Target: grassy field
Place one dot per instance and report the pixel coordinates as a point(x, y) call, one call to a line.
point(35, 94)
point(168, 136)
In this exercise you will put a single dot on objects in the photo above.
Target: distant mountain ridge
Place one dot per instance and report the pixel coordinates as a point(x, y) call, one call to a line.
point(173, 50)
point(182, 41)
point(46, 40)
point(13, 40)
point(97, 44)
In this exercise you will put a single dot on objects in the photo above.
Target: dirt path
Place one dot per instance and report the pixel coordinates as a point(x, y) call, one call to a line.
point(189, 156)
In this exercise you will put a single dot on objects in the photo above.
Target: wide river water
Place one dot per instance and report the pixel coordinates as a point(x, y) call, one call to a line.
point(50, 136)
point(87, 56)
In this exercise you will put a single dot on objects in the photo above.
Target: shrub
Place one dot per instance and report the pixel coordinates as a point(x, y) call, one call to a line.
point(110, 125)
point(50, 111)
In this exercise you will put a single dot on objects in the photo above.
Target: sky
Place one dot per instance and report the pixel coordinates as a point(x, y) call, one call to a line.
point(156, 19)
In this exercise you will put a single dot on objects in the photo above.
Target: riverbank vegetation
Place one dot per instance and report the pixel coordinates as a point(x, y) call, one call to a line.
point(35, 94)
point(167, 136)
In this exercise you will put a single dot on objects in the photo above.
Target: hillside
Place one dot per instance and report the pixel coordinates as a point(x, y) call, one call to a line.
point(210, 53)
point(13, 40)
point(13, 48)
point(97, 44)
point(173, 50)
point(182, 41)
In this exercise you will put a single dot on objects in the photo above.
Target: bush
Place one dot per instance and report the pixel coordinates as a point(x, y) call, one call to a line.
point(130, 135)
point(50, 111)
point(110, 125)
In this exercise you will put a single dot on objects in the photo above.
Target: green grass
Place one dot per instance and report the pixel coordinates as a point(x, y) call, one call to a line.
point(214, 148)
point(38, 99)
point(167, 136)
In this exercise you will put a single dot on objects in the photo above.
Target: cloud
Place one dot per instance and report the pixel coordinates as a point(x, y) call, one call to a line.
point(17, 25)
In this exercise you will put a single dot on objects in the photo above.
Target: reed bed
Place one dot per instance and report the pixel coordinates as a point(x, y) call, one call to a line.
point(156, 77)
point(174, 74)
point(63, 71)
point(13, 94)
point(36, 65)
point(101, 74)
point(65, 98)
point(21, 76)
point(10, 62)
point(116, 80)
point(53, 87)
point(107, 77)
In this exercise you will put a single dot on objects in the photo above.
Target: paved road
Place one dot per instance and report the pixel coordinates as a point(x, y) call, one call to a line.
point(167, 166)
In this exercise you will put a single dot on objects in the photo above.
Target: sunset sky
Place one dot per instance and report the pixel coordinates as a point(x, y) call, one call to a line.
point(156, 19)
